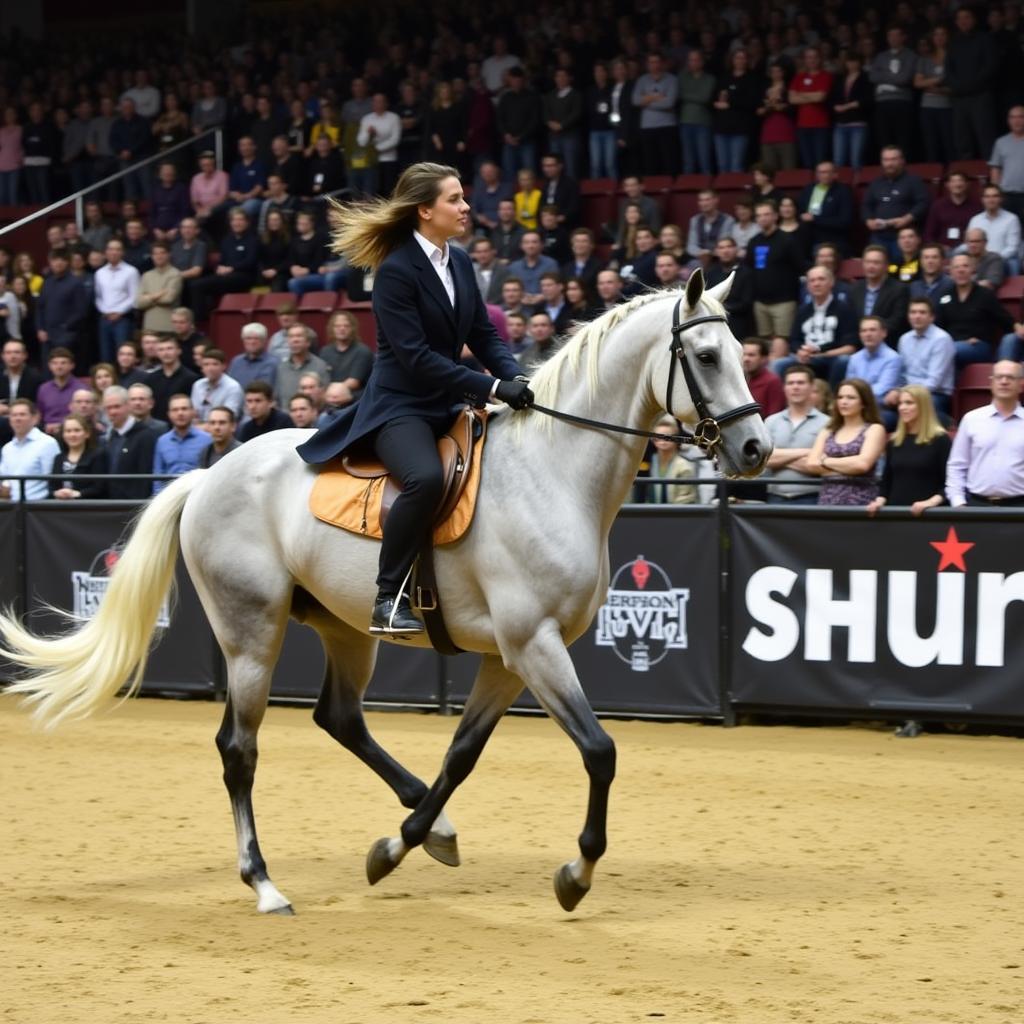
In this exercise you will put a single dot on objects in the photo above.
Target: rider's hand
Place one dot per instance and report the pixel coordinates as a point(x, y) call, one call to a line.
point(515, 393)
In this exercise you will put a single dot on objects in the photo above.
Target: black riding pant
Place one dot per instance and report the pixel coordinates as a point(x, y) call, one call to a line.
point(408, 448)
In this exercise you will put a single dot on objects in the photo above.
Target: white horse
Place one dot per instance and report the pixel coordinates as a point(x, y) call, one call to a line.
point(521, 585)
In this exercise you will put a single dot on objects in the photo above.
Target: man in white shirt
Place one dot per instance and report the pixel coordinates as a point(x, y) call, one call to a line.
point(215, 388)
point(986, 464)
point(382, 128)
point(493, 69)
point(1002, 228)
point(29, 451)
point(146, 97)
point(115, 287)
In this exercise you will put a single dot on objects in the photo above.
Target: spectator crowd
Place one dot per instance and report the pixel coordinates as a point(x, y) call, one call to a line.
point(108, 366)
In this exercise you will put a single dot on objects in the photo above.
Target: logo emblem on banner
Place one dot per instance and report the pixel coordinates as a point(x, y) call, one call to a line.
point(644, 616)
point(89, 588)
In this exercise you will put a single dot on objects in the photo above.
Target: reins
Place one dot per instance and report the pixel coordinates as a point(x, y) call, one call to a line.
point(707, 435)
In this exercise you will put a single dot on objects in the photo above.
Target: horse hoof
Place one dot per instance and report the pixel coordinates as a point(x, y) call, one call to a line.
point(285, 911)
point(443, 848)
point(378, 861)
point(568, 891)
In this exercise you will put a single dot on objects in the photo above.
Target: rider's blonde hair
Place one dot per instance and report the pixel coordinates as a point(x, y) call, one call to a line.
point(365, 234)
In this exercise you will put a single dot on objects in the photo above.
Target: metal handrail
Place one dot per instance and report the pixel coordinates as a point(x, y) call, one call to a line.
point(78, 197)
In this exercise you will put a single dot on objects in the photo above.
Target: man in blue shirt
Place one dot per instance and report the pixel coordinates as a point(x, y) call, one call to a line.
point(29, 451)
point(247, 180)
point(531, 266)
point(179, 449)
point(880, 366)
point(928, 353)
point(254, 362)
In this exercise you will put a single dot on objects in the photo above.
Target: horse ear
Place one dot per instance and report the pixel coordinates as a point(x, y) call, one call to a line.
point(694, 288)
point(722, 289)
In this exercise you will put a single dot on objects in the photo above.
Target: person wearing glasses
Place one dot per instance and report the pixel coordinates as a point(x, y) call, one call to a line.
point(986, 464)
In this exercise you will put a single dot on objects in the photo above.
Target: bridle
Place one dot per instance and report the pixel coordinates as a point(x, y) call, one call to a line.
point(707, 434)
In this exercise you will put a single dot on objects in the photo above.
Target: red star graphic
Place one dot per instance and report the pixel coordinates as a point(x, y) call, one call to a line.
point(952, 550)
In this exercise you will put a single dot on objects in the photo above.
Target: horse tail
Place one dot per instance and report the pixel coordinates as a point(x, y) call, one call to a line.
point(70, 676)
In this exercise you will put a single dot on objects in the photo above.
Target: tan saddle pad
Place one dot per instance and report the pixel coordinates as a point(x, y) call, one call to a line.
point(356, 493)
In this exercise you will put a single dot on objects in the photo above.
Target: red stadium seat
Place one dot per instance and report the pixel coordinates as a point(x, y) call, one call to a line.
point(973, 389)
point(233, 310)
point(1012, 288)
point(851, 270)
point(793, 181)
point(681, 207)
point(845, 175)
point(975, 169)
point(866, 175)
point(656, 184)
point(732, 180)
point(268, 305)
point(931, 174)
point(691, 183)
point(729, 198)
point(315, 309)
point(598, 204)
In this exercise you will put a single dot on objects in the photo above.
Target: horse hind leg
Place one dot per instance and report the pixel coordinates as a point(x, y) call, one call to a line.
point(250, 629)
point(493, 691)
point(236, 741)
point(350, 657)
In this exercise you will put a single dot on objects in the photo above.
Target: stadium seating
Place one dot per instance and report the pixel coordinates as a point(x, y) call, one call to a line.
point(1011, 295)
point(973, 389)
point(267, 306)
point(226, 321)
point(314, 310)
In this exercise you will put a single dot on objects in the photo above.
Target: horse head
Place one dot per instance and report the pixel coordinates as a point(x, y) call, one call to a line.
point(702, 382)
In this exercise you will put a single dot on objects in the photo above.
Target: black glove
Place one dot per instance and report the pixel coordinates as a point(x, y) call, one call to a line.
point(515, 393)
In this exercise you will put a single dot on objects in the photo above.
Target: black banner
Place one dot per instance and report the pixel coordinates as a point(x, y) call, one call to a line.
point(69, 553)
point(835, 610)
point(653, 645)
point(10, 570)
point(403, 675)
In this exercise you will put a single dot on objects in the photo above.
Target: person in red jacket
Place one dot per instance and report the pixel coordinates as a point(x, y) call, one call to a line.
point(808, 92)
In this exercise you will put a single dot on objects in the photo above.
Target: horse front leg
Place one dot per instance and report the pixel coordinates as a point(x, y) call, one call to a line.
point(493, 691)
point(544, 664)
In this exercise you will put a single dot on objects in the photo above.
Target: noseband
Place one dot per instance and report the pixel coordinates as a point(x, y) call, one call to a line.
point(707, 434)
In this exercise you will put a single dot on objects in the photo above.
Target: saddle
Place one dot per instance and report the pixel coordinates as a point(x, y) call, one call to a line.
point(356, 492)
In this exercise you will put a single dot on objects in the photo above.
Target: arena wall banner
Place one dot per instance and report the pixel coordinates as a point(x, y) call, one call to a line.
point(653, 647)
point(844, 612)
point(10, 573)
point(69, 552)
point(402, 676)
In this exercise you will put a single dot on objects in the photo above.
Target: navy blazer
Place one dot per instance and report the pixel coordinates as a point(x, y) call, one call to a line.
point(419, 342)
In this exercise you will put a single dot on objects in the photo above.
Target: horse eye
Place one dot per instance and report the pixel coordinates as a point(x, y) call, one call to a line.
point(706, 359)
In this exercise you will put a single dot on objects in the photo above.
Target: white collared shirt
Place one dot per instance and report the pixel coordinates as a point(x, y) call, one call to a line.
point(116, 288)
point(440, 260)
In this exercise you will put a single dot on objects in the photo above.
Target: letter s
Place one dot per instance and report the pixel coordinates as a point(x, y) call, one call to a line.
point(782, 622)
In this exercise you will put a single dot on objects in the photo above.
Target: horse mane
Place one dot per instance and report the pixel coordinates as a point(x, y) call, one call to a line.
point(588, 341)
